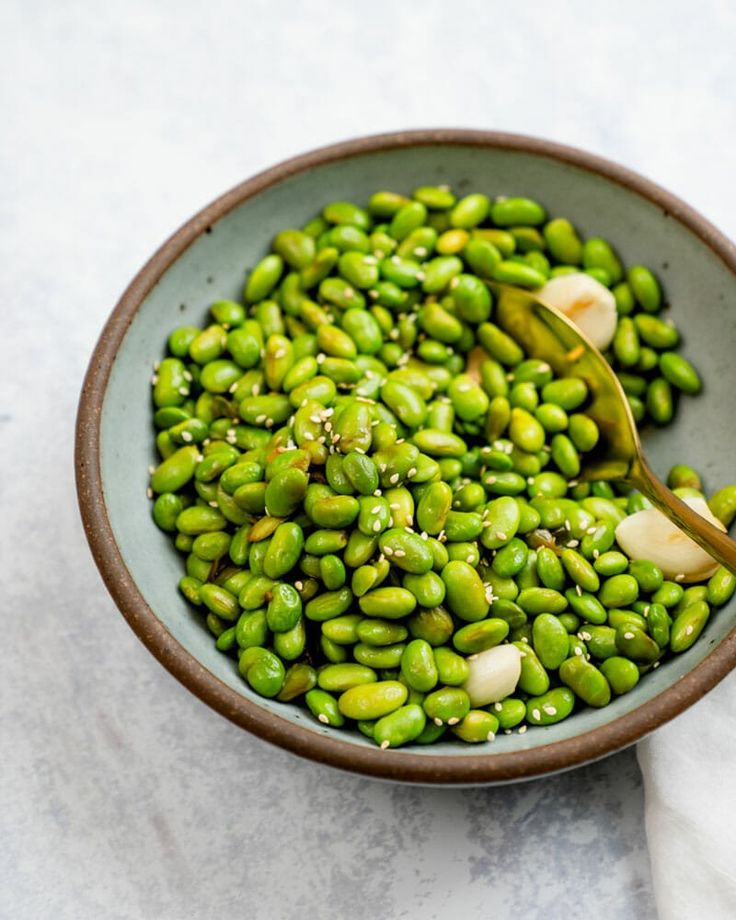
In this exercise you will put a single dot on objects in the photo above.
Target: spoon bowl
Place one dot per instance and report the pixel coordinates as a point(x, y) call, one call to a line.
point(546, 334)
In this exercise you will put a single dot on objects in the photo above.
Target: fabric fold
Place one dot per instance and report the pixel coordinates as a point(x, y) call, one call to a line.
point(689, 771)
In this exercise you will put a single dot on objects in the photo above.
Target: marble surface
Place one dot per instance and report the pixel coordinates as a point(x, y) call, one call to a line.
point(121, 795)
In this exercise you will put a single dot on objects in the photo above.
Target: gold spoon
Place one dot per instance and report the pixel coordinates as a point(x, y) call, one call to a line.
point(546, 334)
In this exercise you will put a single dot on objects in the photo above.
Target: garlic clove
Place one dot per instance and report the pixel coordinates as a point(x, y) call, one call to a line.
point(650, 535)
point(494, 675)
point(585, 301)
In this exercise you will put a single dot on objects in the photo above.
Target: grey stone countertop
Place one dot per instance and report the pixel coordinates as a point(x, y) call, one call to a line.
point(121, 795)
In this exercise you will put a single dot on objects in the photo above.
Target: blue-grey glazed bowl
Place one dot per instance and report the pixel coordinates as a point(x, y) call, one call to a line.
point(206, 260)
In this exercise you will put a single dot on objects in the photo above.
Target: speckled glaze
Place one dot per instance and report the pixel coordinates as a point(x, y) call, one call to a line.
point(207, 258)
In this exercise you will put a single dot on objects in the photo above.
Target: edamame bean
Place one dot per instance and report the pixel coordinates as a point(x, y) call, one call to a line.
point(586, 681)
point(621, 674)
point(688, 625)
point(551, 707)
point(372, 701)
point(399, 727)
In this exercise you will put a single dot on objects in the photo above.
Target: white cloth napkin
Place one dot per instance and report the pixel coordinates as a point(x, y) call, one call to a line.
point(689, 769)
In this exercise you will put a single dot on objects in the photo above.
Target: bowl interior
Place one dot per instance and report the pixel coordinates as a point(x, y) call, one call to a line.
point(698, 284)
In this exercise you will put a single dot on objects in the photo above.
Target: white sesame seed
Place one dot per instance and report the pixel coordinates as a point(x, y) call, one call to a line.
point(212, 504)
point(393, 478)
point(377, 493)
point(323, 719)
point(188, 376)
point(186, 436)
point(550, 710)
point(384, 745)
point(491, 736)
point(628, 635)
point(536, 714)
point(689, 629)
point(388, 551)
point(154, 379)
point(183, 391)
point(578, 650)
point(399, 553)
point(680, 577)
point(596, 553)
point(149, 492)
point(498, 707)
point(500, 535)
point(453, 720)
point(437, 721)
point(376, 526)
point(522, 729)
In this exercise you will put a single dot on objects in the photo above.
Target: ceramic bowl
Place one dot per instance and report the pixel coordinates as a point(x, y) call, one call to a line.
point(206, 260)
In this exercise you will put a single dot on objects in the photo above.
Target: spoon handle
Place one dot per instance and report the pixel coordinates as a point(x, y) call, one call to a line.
point(714, 541)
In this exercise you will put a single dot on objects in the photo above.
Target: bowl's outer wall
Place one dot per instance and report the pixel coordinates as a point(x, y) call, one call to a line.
point(699, 285)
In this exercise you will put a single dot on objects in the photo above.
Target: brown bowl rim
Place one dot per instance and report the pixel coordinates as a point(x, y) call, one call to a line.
point(404, 766)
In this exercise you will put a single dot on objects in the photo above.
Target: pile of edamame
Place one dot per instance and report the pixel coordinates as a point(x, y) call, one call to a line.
point(374, 489)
